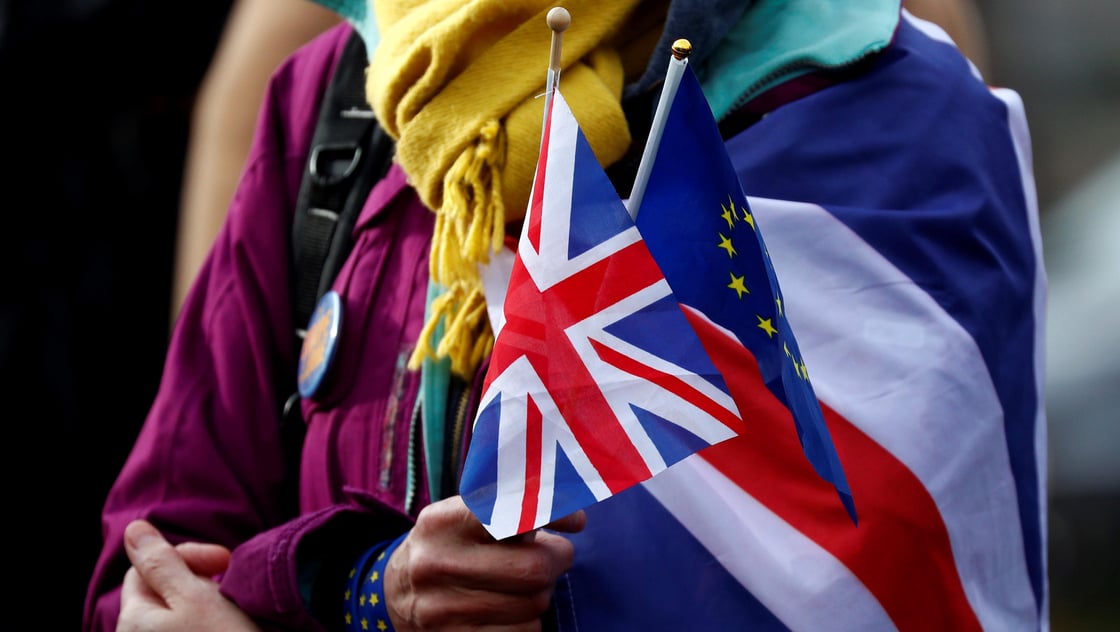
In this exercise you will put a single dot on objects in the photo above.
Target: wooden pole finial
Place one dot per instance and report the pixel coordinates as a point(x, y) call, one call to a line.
point(559, 19)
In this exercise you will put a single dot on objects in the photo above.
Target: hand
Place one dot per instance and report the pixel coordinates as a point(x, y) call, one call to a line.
point(170, 588)
point(451, 573)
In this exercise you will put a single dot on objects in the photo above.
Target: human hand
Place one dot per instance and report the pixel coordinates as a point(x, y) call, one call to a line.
point(170, 588)
point(451, 573)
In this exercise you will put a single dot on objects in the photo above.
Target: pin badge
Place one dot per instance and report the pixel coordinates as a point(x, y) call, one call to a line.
point(320, 343)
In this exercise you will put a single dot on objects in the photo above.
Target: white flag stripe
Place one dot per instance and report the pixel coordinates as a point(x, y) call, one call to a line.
point(551, 265)
point(649, 395)
point(512, 448)
point(1021, 139)
point(929, 401)
point(802, 584)
point(598, 332)
point(495, 281)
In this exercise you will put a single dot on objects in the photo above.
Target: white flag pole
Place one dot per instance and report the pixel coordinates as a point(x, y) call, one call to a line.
point(681, 50)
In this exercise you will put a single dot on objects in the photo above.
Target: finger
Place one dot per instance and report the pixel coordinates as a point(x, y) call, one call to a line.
point(516, 567)
point(158, 563)
point(204, 559)
point(452, 517)
point(477, 610)
point(136, 593)
point(572, 523)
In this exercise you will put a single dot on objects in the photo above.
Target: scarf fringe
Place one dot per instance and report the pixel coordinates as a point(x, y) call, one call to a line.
point(467, 338)
point(470, 224)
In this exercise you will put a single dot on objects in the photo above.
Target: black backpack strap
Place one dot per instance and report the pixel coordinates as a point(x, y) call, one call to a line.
point(349, 154)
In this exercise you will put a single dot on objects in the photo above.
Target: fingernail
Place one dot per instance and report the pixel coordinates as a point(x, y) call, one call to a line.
point(139, 535)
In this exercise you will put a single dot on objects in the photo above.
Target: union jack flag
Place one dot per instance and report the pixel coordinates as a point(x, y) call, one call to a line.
point(597, 381)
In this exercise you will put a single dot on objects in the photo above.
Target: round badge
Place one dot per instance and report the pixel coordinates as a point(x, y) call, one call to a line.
point(320, 343)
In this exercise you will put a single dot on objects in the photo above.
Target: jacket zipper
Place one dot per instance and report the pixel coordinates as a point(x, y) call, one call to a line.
point(454, 448)
point(411, 481)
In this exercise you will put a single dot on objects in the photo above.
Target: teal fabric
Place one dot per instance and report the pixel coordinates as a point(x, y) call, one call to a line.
point(434, 380)
point(778, 40)
point(359, 15)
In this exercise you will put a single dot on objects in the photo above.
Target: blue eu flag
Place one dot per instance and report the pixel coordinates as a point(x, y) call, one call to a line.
point(695, 218)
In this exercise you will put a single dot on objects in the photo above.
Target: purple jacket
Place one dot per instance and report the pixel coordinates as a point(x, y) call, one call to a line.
point(212, 436)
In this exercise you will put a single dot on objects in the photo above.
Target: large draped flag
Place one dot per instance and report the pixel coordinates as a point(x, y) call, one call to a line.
point(597, 381)
point(914, 282)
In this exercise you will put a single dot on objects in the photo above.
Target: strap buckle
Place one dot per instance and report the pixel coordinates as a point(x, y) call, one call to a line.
point(333, 163)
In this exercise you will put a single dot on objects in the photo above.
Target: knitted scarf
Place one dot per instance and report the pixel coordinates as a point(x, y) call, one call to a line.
point(456, 84)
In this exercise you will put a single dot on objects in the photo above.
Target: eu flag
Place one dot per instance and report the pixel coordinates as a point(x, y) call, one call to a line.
point(696, 221)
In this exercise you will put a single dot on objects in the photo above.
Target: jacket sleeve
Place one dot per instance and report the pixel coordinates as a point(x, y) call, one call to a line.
point(208, 464)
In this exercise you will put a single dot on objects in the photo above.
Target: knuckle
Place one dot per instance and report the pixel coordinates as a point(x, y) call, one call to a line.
point(533, 569)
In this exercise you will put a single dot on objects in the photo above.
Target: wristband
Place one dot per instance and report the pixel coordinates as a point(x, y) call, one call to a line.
point(365, 590)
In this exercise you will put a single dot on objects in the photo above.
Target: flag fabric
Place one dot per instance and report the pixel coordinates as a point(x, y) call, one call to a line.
point(914, 282)
point(699, 226)
point(596, 381)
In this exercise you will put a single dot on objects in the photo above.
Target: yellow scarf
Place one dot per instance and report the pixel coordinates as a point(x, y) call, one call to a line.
point(456, 84)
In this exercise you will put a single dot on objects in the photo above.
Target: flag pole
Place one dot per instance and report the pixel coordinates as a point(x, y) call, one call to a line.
point(558, 20)
point(681, 50)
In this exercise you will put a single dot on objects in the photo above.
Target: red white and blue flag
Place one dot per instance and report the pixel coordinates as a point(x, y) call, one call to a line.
point(915, 284)
point(597, 381)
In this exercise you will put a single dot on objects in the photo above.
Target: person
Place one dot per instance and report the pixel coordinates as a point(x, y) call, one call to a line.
point(258, 35)
point(896, 196)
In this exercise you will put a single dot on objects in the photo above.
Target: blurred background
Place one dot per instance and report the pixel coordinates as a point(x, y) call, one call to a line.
point(90, 231)
point(1063, 57)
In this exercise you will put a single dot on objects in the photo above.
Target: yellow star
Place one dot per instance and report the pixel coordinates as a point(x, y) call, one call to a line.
point(361, 600)
point(365, 623)
point(725, 243)
point(729, 215)
point(352, 572)
point(779, 302)
point(381, 625)
point(373, 600)
point(348, 619)
point(381, 557)
point(375, 576)
point(804, 371)
point(765, 325)
point(347, 596)
point(789, 355)
point(750, 218)
point(738, 285)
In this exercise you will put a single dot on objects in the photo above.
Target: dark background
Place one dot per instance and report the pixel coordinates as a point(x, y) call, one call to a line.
point(95, 100)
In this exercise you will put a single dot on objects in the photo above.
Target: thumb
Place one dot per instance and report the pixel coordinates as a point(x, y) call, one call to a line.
point(161, 567)
point(206, 560)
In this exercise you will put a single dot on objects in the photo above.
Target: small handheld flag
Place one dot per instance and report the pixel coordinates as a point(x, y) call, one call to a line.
point(698, 224)
point(596, 381)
